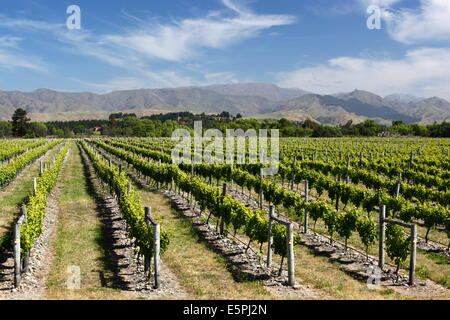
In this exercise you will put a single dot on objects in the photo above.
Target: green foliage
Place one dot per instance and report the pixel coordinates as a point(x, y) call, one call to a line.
point(5, 129)
point(10, 170)
point(36, 130)
point(331, 219)
point(130, 205)
point(347, 223)
point(20, 123)
point(234, 213)
point(367, 230)
point(37, 202)
point(397, 244)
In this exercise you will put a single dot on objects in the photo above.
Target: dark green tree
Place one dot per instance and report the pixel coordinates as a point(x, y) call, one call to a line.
point(20, 123)
point(5, 129)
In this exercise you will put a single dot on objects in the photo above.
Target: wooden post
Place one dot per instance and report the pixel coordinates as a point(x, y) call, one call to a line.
point(34, 185)
point(338, 195)
point(293, 172)
point(347, 176)
point(156, 251)
point(110, 162)
point(270, 237)
point(26, 259)
point(41, 170)
point(17, 260)
point(305, 229)
point(156, 245)
point(157, 182)
point(129, 187)
point(382, 224)
point(412, 264)
point(290, 254)
point(260, 189)
point(397, 191)
point(147, 261)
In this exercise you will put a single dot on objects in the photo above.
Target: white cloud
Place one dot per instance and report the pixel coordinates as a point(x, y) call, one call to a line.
point(183, 39)
point(13, 60)
point(430, 22)
point(138, 49)
point(9, 41)
point(380, 3)
point(422, 72)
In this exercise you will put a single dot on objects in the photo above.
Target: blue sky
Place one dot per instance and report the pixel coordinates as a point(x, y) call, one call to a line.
point(322, 46)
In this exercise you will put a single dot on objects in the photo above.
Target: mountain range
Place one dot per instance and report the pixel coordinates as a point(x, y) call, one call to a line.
point(257, 100)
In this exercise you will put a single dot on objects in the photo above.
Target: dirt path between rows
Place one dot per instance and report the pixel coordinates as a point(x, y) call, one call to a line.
point(128, 268)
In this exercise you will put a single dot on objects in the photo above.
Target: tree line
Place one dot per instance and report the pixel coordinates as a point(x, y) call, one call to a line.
point(162, 125)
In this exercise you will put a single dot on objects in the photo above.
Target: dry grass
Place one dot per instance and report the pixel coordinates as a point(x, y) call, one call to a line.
point(203, 273)
point(79, 240)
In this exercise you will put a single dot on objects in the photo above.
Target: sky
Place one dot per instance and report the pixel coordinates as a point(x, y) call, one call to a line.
point(322, 46)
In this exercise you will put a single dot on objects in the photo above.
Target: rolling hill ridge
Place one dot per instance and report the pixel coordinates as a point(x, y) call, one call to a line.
point(259, 100)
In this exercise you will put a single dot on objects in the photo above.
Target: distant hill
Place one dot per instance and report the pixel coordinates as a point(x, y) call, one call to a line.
point(259, 100)
point(267, 91)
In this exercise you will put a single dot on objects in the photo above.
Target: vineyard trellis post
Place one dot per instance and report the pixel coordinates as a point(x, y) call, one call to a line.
point(413, 248)
point(338, 193)
point(269, 237)
point(232, 181)
point(260, 188)
point(290, 254)
point(381, 236)
point(289, 244)
point(397, 190)
point(17, 253)
point(293, 172)
point(306, 211)
point(347, 175)
point(34, 185)
point(156, 244)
